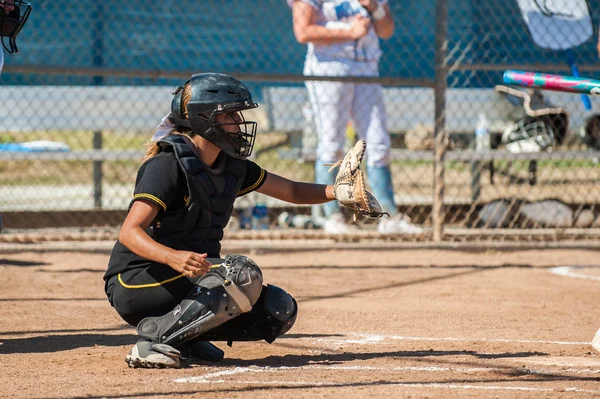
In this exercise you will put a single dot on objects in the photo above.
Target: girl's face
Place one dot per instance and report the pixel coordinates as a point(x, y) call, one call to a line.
point(7, 5)
point(229, 121)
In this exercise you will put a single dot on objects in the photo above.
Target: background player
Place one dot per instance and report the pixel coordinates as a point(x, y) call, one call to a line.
point(343, 40)
point(183, 199)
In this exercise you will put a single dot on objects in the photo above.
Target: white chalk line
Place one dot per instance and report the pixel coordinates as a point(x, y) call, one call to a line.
point(365, 339)
point(285, 369)
point(208, 378)
point(211, 378)
point(568, 271)
point(312, 384)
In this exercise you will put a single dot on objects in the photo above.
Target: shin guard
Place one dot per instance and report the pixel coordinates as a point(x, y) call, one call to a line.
point(226, 291)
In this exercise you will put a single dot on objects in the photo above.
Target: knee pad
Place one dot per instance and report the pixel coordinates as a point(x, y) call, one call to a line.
point(226, 291)
point(273, 315)
point(281, 311)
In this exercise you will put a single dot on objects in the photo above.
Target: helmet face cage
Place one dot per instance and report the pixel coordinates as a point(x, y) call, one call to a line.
point(243, 139)
point(532, 134)
point(12, 21)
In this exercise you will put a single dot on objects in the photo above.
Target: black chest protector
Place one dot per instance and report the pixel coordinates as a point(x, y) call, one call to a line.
point(198, 226)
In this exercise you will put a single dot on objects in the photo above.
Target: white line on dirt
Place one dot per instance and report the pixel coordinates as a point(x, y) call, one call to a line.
point(212, 377)
point(364, 339)
point(568, 271)
point(285, 369)
point(206, 379)
point(310, 384)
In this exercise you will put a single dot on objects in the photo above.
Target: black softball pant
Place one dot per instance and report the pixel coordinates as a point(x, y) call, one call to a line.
point(145, 292)
point(157, 289)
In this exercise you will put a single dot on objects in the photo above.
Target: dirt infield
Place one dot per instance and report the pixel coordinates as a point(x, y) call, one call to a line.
point(407, 323)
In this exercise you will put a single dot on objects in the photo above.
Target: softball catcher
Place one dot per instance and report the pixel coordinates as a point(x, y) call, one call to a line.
point(166, 275)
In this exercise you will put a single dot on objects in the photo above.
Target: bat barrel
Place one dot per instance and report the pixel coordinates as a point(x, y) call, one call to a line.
point(553, 82)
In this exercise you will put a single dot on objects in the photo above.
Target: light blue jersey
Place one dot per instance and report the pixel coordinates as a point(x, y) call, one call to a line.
point(337, 14)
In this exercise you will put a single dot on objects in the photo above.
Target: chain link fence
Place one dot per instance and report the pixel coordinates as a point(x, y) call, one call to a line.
point(81, 100)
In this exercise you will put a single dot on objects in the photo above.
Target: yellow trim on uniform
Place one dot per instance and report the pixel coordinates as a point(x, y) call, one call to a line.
point(252, 187)
point(153, 198)
point(151, 285)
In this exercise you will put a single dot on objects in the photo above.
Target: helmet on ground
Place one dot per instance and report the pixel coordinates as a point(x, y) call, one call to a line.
point(214, 94)
point(13, 16)
point(535, 134)
point(590, 133)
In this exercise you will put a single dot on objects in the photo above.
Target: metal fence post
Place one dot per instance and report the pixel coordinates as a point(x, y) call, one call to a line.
point(97, 52)
point(440, 138)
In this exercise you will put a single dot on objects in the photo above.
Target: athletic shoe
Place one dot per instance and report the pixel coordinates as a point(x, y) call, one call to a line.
point(336, 224)
point(398, 224)
point(201, 350)
point(147, 354)
point(596, 341)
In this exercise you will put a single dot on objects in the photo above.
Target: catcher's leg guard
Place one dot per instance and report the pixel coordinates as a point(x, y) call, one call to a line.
point(223, 293)
point(272, 316)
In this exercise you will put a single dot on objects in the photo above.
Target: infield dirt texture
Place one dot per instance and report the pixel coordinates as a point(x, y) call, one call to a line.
point(383, 324)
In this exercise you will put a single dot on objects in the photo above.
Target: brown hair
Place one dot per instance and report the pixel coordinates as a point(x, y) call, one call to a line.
point(153, 148)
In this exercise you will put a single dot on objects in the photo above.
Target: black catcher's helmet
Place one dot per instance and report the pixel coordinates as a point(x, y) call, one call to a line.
point(590, 132)
point(13, 15)
point(214, 94)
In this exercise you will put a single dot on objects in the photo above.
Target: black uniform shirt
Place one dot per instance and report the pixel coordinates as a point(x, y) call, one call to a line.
point(160, 180)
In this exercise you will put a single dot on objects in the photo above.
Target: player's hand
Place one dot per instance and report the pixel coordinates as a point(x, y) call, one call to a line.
point(359, 27)
point(188, 263)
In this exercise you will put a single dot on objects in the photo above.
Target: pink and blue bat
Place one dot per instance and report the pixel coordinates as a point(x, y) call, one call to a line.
point(553, 82)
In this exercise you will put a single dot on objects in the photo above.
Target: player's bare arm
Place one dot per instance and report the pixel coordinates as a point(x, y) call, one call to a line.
point(383, 22)
point(296, 192)
point(134, 237)
point(306, 31)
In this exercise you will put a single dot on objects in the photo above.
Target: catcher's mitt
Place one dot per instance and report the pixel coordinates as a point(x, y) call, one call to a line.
point(349, 187)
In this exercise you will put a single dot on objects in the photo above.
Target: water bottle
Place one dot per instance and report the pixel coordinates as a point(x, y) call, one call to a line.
point(260, 215)
point(482, 134)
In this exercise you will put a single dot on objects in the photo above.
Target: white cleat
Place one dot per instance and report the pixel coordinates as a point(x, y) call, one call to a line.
point(147, 354)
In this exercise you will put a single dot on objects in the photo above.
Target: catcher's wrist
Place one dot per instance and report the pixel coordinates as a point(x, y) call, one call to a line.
point(330, 193)
point(379, 12)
